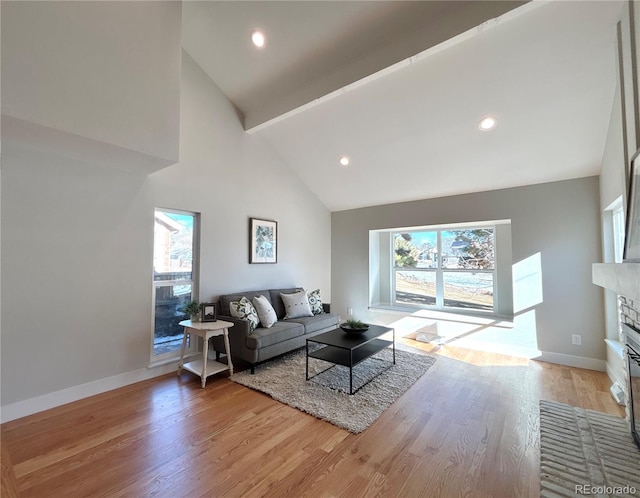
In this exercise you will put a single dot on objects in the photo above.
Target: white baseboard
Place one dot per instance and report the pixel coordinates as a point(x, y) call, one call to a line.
point(573, 361)
point(75, 393)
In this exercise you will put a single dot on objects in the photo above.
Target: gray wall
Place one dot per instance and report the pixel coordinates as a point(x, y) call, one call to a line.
point(77, 243)
point(560, 221)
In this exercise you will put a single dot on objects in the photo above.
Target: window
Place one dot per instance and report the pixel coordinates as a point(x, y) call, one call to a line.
point(614, 231)
point(174, 270)
point(445, 268)
point(618, 232)
point(461, 268)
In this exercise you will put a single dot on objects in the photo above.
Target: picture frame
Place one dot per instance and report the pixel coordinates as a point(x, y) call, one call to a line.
point(263, 241)
point(209, 312)
point(632, 231)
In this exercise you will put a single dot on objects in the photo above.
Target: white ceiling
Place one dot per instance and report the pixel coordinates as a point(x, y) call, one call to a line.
point(545, 70)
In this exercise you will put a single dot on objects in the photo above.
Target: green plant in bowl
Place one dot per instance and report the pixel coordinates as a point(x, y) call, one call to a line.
point(354, 326)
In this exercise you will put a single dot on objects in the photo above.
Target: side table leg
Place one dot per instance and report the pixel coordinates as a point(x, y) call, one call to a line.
point(228, 350)
point(205, 353)
point(184, 345)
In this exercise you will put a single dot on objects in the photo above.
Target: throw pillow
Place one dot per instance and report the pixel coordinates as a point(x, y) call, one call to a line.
point(315, 302)
point(266, 313)
point(244, 310)
point(296, 305)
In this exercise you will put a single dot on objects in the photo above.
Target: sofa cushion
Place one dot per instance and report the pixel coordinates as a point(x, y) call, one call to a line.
point(276, 300)
point(224, 300)
point(244, 310)
point(317, 322)
point(281, 331)
point(265, 311)
point(315, 302)
point(296, 305)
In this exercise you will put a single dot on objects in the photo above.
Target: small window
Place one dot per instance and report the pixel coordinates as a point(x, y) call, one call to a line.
point(618, 233)
point(174, 271)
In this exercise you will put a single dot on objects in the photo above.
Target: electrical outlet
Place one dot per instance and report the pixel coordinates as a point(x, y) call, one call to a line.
point(349, 311)
point(576, 340)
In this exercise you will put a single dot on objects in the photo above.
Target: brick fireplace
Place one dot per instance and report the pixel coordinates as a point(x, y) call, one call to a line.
point(630, 311)
point(624, 280)
point(632, 342)
point(629, 314)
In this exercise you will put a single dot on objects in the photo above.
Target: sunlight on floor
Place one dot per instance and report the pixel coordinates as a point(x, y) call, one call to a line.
point(517, 338)
point(467, 355)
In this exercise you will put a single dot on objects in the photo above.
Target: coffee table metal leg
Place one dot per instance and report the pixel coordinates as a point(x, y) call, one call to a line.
point(307, 351)
point(351, 373)
point(394, 346)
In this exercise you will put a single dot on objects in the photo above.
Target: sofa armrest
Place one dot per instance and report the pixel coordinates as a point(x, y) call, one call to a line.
point(326, 307)
point(237, 336)
point(240, 327)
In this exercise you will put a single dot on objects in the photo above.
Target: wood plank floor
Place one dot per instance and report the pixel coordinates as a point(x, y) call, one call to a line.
point(468, 427)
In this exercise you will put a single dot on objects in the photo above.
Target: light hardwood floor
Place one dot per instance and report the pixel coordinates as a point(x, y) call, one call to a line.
point(468, 427)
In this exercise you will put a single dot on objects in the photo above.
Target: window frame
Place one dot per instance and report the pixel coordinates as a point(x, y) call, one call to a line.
point(440, 271)
point(194, 282)
point(618, 231)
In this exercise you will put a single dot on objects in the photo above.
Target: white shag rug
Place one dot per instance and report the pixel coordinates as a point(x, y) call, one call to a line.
point(585, 452)
point(326, 396)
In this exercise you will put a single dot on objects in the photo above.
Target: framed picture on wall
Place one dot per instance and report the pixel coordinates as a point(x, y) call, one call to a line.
point(632, 232)
point(209, 312)
point(263, 241)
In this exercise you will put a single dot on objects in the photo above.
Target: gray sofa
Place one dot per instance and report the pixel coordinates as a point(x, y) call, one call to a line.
point(263, 344)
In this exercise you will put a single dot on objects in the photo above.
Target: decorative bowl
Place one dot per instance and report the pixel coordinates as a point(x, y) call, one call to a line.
point(351, 330)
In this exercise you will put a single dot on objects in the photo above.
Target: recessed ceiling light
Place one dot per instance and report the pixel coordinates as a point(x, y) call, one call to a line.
point(488, 123)
point(344, 161)
point(258, 39)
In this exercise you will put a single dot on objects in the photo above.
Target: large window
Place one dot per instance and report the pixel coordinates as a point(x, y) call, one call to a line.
point(174, 271)
point(445, 268)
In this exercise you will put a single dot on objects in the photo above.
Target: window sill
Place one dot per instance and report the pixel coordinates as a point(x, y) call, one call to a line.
point(435, 313)
point(616, 346)
point(173, 359)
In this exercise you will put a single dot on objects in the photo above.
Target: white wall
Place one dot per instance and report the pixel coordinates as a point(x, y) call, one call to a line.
point(612, 186)
point(77, 248)
point(75, 244)
point(629, 73)
point(612, 177)
point(230, 176)
point(623, 139)
point(104, 71)
point(559, 221)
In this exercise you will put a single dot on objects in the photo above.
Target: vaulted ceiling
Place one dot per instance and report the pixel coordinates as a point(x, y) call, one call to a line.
point(400, 88)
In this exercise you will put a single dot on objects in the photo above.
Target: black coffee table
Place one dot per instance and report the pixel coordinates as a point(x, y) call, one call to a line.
point(348, 349)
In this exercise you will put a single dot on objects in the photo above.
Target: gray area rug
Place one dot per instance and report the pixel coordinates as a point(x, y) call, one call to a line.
point(325, 396)
point(584, 452)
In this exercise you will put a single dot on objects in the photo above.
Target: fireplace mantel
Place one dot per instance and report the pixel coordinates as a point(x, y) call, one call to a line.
point(622, 278)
